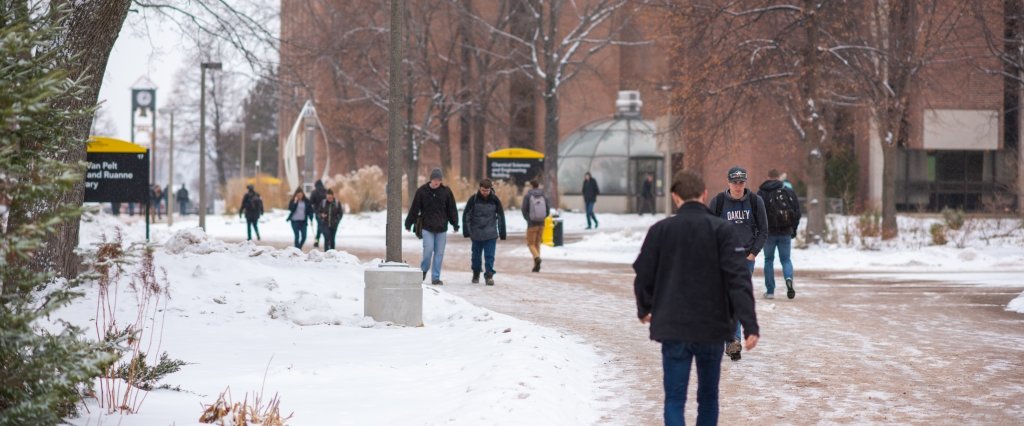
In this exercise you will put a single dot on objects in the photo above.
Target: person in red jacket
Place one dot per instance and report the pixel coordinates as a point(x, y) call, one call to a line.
point(691, 286)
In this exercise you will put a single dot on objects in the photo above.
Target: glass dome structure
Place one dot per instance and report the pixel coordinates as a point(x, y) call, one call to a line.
point(618, 152)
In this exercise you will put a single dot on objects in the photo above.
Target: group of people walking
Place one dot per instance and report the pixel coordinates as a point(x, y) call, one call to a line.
point(694, 284)
point(321, 209)
point(433, 208)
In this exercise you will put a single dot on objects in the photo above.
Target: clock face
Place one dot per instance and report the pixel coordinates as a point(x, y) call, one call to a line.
point(143, 98)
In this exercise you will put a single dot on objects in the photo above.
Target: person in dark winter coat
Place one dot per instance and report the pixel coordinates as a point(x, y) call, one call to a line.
point(316, 199)
point(483, 221)
point(746, 211)
point(691, 286)
point(182, 197)
point(647, 195)
point(434, 207)
point(252, 208)
point(783, 212)
point(329, 215)
point(535, 219)
point(590, 193)
point(300, 212)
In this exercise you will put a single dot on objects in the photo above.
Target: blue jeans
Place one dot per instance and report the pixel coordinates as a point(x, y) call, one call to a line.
point(433, 253)
point(785, 244)
point(486, 248)
point(739, 328)
point(676, 359)
point(589, 205)
point(299, 229)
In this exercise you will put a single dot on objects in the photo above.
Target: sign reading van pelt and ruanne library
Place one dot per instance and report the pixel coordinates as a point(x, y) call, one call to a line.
point(515, 164)
point(118, 171)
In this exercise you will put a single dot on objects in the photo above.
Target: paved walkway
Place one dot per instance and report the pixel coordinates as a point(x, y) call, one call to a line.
point(844, 351)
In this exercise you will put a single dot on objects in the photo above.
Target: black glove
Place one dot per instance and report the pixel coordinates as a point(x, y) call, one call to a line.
point(456, 228)
point(502, 238)
point(408, 227)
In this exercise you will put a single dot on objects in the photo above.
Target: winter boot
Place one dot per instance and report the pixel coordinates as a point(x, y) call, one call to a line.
point(489, 279)
point(476, 277)
point(437, 282)
point(424, 276)
point(316, 243)
point(790, 293)
point(733, 349)
point(536, 264)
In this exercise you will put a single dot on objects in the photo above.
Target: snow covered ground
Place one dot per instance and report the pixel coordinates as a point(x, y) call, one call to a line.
point(242, 315)
point(247, 316)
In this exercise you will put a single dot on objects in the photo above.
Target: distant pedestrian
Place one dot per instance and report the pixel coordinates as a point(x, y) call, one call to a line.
point(536, 209)
point(691, 286)
point(782, 208)
point(252, 208)
point(300, 212)
point(156, 193)
point(433, 207)
point(647, 195)
point(745, 210)
point(483, 221)
point(316, 198)
point(590, 193)
point(182, 197)
point(329, 214)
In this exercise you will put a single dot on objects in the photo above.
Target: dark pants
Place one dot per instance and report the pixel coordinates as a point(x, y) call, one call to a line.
point(589, 206)
point(486, 248)
point(252, 225)
point(329, 233)
point(183, 205)
point(646, 204)
point(320, 230)
point(676, 360)
point(299, 228)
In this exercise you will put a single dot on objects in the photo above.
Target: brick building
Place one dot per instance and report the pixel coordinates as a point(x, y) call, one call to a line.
point(961, 149)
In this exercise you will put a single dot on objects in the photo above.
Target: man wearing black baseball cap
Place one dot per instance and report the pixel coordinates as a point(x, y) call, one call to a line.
point(745, 209)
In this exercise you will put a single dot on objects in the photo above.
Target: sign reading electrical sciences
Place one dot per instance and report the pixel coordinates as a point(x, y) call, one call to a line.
point(118, 171)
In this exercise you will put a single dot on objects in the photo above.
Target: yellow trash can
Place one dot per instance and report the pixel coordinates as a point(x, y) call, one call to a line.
point(548, 236)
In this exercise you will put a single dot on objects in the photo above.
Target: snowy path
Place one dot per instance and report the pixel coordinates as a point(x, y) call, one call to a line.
point(849, 349)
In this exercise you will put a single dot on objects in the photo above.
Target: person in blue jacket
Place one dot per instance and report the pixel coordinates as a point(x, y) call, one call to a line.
point(300, 212)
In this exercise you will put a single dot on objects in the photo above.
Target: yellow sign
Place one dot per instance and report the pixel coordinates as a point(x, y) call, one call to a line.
point(515, 153)
point(103, 144)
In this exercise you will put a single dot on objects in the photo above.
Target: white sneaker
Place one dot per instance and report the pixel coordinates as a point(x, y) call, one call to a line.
point(769, 295)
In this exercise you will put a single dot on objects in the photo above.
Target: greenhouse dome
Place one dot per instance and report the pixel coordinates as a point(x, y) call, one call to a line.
point(618, 152)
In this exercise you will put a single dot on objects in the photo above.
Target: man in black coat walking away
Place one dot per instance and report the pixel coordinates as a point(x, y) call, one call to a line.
point(691, 286)
point(434, 206)
point(590, 193)
point(483, 220)
point(252, 208)
point(783, 212)
point(316, 198)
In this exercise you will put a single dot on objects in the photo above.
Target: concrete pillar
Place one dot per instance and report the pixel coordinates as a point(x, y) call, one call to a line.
point(394, 293)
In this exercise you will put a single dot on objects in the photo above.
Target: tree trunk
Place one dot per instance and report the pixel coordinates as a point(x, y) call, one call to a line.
point(91, 31)
point(816, 199)
point(465, 81)
point(812, 123)
point(479, 141)
point(551, 142)
point(218, 140)
point(444, 144)
point(889, 227)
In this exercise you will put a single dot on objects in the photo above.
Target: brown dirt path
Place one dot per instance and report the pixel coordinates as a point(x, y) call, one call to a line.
point(844, 351)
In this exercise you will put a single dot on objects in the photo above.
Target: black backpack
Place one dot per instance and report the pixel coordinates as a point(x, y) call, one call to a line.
point(781, 209)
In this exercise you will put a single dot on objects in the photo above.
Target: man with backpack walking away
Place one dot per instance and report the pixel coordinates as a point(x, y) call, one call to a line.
point(252, 207)
point(691, 285)
point(745, 210)
point(329, 214)
point(483, 220)
point(535, 210)
point(316, 198)
point(783, 211)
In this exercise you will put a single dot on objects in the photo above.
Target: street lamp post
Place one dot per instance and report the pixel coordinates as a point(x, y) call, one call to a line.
point(216, 66)
point(170, 168)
